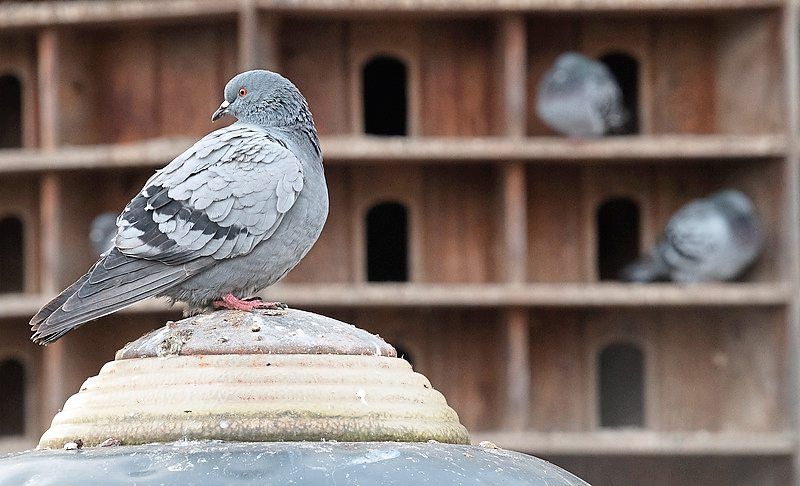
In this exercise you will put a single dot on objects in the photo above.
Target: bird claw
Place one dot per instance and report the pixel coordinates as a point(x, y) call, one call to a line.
point(229, 301)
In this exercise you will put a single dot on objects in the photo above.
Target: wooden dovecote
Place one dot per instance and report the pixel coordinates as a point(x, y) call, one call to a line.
point(512, 235)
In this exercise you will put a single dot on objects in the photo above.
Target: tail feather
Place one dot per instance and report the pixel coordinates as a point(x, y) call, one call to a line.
point(650, 268)
point(84, 301)
point(54, 304)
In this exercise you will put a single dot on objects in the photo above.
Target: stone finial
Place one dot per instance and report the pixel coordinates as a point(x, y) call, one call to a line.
point(263, 376)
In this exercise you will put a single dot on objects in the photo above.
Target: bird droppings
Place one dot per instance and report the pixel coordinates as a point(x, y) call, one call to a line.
point(487, 444)
point(73, 445)
point(224, 424)
point(240, 332)
point(110, 442)
point(173, 343)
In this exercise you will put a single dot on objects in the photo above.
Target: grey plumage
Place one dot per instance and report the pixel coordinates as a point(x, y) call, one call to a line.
point(711, 239)
point(103, 232)
point(579, 97)
point(232, 214)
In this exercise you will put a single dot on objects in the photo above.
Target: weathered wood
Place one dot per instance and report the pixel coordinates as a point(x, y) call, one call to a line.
point(314, 55)
point(518, 369)
point(457, 350)
point(26, 15)
point(461, 96)
point(433, 150)
point(514, 40)
point(48, 81)
point(605, 443)
point(515, 223)
point(611, 295)
point(790, 263)
point(249, 40)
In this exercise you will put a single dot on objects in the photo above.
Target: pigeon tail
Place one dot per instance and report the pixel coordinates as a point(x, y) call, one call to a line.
point(650, 268)
point(103, 291)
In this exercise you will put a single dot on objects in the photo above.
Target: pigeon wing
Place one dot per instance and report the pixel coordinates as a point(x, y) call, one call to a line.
point(694, 234)
point(217, 200)
point(222, 201)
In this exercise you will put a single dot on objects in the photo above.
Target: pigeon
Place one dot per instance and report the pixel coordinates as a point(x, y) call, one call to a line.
point(228, 217)
point(711, 239)
point(579, 97)
point(103, 232)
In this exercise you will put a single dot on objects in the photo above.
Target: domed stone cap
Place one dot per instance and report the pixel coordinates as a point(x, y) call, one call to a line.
point(256, 377)
point(289, 331)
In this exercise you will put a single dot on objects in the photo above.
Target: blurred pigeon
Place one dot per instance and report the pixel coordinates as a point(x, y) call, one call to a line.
point(711, 239)
point(103, 232)
point(579, 97)
point(225, 219)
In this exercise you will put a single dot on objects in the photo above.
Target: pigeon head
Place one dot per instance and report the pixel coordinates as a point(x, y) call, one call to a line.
point(734, 201)
point(571, 69)
point(264, 98)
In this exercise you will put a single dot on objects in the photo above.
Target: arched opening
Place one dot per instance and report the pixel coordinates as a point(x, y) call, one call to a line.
point(12, 399)
point(621, 387)
point(11, 112)
point(384, 81)
point(617, 236)
point(387, 243)
point(402, 352)
point(626, 71)
point(12, 255)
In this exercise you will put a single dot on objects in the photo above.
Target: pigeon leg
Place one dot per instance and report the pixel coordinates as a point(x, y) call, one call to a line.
point(230, 301)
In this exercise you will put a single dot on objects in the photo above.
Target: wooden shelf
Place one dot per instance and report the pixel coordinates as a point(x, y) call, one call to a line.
point(379, 150)
point(632, 442)
point(40, 14)
point(483, 295)
point(538, 295)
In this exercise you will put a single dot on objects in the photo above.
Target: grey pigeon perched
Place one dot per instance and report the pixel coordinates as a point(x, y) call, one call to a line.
point(579, 97)
point(711, 239)
point(225, 219)
point(103, 232)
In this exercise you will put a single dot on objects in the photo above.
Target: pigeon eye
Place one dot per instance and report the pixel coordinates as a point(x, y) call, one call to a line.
point(242, 91)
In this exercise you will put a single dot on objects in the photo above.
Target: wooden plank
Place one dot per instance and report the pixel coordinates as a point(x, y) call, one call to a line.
point(432, 150)
point(457, 231)
point(249, 41)
point(549, 259)
point(314, 55)
point(39, 14)
point(457, 350)
point(683, 79)
point(269, 43)
point(518, 369)
point(513, 33)
point(458, 90)
point(608, 295)
point(48, 80)
point(606, 443)
point(53, 390)
point(751, 100)
point(182, 108)
point(791, 203)
point(515, 223)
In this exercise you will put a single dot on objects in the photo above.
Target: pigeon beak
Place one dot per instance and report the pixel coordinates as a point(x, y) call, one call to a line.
point(221, 111)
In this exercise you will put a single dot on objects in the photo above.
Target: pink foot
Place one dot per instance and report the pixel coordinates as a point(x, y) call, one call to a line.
point(230, 301)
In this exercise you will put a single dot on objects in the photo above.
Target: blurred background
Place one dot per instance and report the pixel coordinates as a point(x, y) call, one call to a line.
point(480, 239)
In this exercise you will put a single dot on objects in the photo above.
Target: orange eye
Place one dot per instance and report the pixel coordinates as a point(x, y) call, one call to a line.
point(242, 91)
